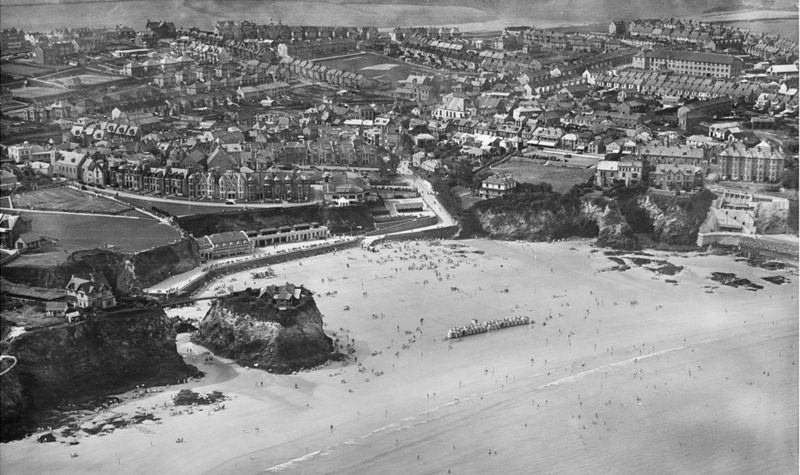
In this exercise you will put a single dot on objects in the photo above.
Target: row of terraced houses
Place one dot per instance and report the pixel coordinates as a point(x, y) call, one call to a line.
point(214, 185)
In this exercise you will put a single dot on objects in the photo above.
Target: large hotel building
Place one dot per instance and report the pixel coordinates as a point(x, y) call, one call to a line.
point(689, 62)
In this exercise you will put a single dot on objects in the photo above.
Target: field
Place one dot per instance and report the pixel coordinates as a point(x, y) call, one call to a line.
point(621, 372)
point(85, 79)
point(37, 92)
point(376, 67)
point(68, 199)
point(79, 231)
point(22, 69)
point(529, 171)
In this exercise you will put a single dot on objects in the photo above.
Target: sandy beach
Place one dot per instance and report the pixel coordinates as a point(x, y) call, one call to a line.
point(621, 371)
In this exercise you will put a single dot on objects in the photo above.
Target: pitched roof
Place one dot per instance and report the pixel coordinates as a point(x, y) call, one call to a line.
point(692, 56)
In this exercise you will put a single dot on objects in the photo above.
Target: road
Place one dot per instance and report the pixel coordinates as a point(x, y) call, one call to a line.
point(249, 205)
point(428, 195)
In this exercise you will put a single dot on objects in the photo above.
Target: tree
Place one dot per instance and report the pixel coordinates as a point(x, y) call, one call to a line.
point(462, 172)
point(790, 176)
point(383, 168)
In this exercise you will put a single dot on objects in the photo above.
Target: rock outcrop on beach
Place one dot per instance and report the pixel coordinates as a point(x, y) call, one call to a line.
point(255, 329)
point(126, 273)
point(104, 354)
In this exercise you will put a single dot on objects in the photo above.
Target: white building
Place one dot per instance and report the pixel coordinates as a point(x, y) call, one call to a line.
point(496, 186)
point(610, 173)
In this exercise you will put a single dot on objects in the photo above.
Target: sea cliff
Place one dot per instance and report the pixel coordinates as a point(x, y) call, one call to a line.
point(72, 362)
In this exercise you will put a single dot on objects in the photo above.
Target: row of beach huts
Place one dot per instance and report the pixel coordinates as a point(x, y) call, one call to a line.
point(475, 327)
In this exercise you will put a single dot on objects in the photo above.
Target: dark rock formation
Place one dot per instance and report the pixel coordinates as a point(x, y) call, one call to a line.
point(104, 354)
point(338, 220)
point(259, 331)
point(615, 232)
point(676, 220)
point(534, 213)
point(125, 273)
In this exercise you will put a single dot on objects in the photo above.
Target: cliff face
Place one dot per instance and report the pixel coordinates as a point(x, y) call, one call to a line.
point(670, 226)
point(676, 220)
point(601, 220)
point(770, 220)
point(614, 230)
point(533, 212)
point(338, 220)
point(124, 273)
point(254, 332)
point(102, 355)
point(537, 214)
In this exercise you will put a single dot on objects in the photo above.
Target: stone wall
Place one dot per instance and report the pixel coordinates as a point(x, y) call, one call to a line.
point(448, 232)
point(756, 243)
point(265, 261)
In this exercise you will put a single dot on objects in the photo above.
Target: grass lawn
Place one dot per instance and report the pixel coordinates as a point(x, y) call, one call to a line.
point(85, 79)
point(466, 196)
point(179, 209)
point(16, 68)
point(376, 66)
point(527, 171)
point(76, 232)
point(37, 92)
point(67, 199)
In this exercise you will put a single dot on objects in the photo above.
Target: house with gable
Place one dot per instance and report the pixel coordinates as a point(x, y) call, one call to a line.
point(92, 292)
point(453, 107)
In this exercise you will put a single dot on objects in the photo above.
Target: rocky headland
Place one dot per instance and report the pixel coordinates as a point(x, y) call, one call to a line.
point(68, 363)
point(127, 274)
point(277, 329)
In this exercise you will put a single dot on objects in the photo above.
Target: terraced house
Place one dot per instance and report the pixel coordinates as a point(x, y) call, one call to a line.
point(756, 164)
point(256, 186)
point(658, 154)
point(676, 177)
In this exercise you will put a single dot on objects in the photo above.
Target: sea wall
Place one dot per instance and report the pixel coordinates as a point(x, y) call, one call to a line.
point(420, 222)
point(271, 259)
point(755, 243)
point(447, 232)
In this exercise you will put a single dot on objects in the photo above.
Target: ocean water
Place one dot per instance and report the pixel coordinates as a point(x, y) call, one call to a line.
point(45, 15)
point(205, 13)
point(788, 28)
